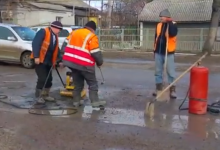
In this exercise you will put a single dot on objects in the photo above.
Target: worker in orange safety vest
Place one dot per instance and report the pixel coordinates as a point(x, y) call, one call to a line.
point(45, 52)
point(165, 40)
point(81, 55)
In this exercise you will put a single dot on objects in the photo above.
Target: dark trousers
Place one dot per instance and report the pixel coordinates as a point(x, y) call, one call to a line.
point(80, 76)
point(42, 72)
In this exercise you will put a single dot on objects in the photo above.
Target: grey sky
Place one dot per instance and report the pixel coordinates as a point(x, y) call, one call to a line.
point(95, 3)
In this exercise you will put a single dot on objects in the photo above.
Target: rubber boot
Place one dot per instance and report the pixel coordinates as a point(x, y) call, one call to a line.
point(38, 99)
point(173, 92)
point(95, 102)
point(76, 98)
point(159, 87)
point(46, 95)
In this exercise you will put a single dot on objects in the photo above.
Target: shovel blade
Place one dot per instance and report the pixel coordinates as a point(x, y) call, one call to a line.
point(149, 111)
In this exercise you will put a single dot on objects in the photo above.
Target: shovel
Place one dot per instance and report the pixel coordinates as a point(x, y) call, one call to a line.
point(150, 105)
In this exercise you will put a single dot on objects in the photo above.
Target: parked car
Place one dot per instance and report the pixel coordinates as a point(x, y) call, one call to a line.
point(63, 33)
point(15, 44)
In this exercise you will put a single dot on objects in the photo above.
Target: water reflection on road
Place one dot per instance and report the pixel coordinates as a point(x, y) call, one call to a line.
point(200, 126)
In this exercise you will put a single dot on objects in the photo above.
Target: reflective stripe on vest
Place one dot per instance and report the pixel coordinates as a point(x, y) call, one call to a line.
point(79, 55)
point(171, 41)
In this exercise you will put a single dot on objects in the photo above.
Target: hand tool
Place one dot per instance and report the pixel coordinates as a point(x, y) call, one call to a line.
point(103, 80)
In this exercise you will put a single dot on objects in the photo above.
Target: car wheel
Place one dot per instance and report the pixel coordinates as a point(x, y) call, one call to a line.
point(26, 60)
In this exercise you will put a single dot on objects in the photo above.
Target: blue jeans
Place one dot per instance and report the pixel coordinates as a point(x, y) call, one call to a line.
point(159, 67)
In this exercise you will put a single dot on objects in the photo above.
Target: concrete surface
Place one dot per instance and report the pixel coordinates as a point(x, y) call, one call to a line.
point(122, 126)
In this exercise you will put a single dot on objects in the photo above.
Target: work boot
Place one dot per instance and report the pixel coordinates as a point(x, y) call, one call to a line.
point(46, 96)
point(173, 92)
point(95, 101)
point(159, 87)
point(77, 98)
point(38, 99)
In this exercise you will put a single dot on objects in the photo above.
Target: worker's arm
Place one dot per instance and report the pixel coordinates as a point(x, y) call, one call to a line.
point(95, 51)
point(59, 56)
point(63, 46)
point(65, 43)
point(173, 30)
point(155, 38)
point(37, 42)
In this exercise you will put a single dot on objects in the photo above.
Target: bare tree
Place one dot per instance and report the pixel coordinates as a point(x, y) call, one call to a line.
point(110, 4)
point(125, 12)
point(1, 20)
point(209, 43)
point(0, 17)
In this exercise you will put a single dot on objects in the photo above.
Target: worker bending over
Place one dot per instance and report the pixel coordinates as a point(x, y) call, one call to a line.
point(165, 39)
point(45, 52)
point(81, 54)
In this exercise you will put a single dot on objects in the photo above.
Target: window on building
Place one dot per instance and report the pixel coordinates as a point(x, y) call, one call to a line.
point(58, 18)
point(80, 21)
point(6, 33)
point(63, 33)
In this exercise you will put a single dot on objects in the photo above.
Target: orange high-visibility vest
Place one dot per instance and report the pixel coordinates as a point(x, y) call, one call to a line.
point(45, 46)
point(81, 44)
point(171, 41)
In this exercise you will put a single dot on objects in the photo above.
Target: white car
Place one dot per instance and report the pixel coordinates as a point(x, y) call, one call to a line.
point(63, 33)
point(15, 44)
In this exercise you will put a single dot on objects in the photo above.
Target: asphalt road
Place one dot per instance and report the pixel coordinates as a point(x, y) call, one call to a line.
point(122, 126)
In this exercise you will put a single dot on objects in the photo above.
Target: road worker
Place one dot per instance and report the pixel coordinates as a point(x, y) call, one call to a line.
point(81, 54)
point(165, 39)
point(46, 53)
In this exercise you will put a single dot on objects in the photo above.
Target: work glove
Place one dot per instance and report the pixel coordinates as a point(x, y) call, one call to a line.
point(169, 19)
point(99, 66)
point(59, 63)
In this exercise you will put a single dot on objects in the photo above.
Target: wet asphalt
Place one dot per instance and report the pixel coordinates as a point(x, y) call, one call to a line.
point(121, 126)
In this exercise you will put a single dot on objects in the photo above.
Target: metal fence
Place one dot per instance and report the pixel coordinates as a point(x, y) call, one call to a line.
point(188, 40)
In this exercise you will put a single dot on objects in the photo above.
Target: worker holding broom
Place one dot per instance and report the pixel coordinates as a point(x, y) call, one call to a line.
point(165, 40)
point(46, 54)
point(81, 55)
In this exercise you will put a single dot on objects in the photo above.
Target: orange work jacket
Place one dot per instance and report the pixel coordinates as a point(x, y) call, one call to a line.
point(171, 41)
point(80, 46)
point(44, 47)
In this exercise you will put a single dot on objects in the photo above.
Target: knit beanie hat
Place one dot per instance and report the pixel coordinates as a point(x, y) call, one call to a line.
point(91, 24)
point(165, 13)
point(57, 24)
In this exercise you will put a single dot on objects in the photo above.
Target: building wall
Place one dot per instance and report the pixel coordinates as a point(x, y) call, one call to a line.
point(35, 17)
point(81, 12)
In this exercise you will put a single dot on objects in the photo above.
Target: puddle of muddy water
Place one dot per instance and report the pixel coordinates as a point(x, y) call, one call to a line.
point(61, 112)
point(200, 126)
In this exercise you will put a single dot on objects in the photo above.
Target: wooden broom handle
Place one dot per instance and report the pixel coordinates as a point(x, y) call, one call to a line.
point(181, 75)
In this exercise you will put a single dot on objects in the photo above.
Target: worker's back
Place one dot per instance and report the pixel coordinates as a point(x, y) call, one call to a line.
point(82, 51)
point(77, 38)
